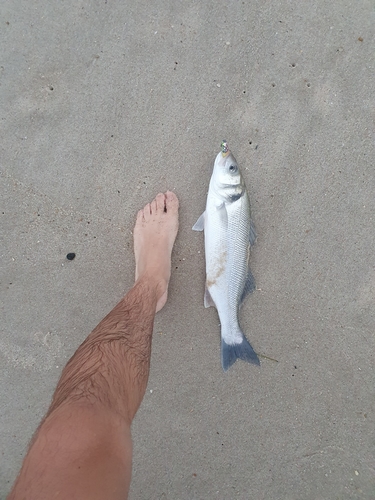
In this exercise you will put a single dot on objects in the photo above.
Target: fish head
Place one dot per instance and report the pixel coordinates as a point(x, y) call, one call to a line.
point(227, 180)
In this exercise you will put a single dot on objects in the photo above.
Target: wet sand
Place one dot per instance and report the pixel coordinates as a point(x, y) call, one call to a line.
point(106, 103)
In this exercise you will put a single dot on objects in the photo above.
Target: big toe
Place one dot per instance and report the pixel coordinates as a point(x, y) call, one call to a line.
point(171, 201)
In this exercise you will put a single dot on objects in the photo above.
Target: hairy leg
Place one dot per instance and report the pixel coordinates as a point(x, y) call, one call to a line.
point(82, 449)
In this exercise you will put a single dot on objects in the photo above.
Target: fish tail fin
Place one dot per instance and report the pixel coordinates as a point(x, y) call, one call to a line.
point(231, 352)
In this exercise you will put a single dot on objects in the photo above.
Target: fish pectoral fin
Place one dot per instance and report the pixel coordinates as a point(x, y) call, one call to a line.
point(249, 286)
point(253, 235)
point(199, 225)
point(208, 301)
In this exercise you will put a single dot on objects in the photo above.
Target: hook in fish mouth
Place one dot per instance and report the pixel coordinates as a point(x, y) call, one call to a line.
point(224, 147)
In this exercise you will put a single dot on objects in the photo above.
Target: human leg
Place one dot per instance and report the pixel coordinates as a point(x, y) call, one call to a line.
point(83, 447)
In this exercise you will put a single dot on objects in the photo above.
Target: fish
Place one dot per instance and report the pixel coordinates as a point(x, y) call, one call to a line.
point(229, 233)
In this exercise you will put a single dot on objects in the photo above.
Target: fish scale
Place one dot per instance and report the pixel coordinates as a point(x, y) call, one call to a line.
point(238, 229)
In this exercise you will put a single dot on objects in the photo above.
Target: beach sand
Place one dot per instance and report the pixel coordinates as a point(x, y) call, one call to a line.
point(106, 103)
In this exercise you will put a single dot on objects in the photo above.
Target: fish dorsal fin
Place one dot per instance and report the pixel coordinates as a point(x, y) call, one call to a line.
point(253, 235)
point(249, 286)
point(199, 225)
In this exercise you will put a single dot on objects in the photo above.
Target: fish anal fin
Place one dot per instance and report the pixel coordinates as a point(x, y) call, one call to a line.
point(249, 286)
point(199, 225)
point(208, 301)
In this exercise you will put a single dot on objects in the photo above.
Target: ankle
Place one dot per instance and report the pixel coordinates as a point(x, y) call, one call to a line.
point(156, 285)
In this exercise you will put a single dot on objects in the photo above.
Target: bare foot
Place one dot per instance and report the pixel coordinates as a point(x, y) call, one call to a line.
point(154, 234)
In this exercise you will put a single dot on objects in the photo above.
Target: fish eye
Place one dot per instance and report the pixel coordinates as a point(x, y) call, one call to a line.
point(233, 168)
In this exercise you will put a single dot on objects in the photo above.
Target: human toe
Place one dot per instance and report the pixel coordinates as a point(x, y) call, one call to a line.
point(160, 202)
point(147, 211)
point(171, 200)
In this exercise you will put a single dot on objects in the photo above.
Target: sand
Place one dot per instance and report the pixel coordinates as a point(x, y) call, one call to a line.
point(104, 104)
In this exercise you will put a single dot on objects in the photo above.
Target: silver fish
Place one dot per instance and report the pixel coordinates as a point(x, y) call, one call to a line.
point(228, 234)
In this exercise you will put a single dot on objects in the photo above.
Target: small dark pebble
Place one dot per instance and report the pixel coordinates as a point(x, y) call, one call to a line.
point(71, 256)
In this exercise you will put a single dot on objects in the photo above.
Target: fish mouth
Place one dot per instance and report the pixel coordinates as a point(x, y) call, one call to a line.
point(221, 157)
